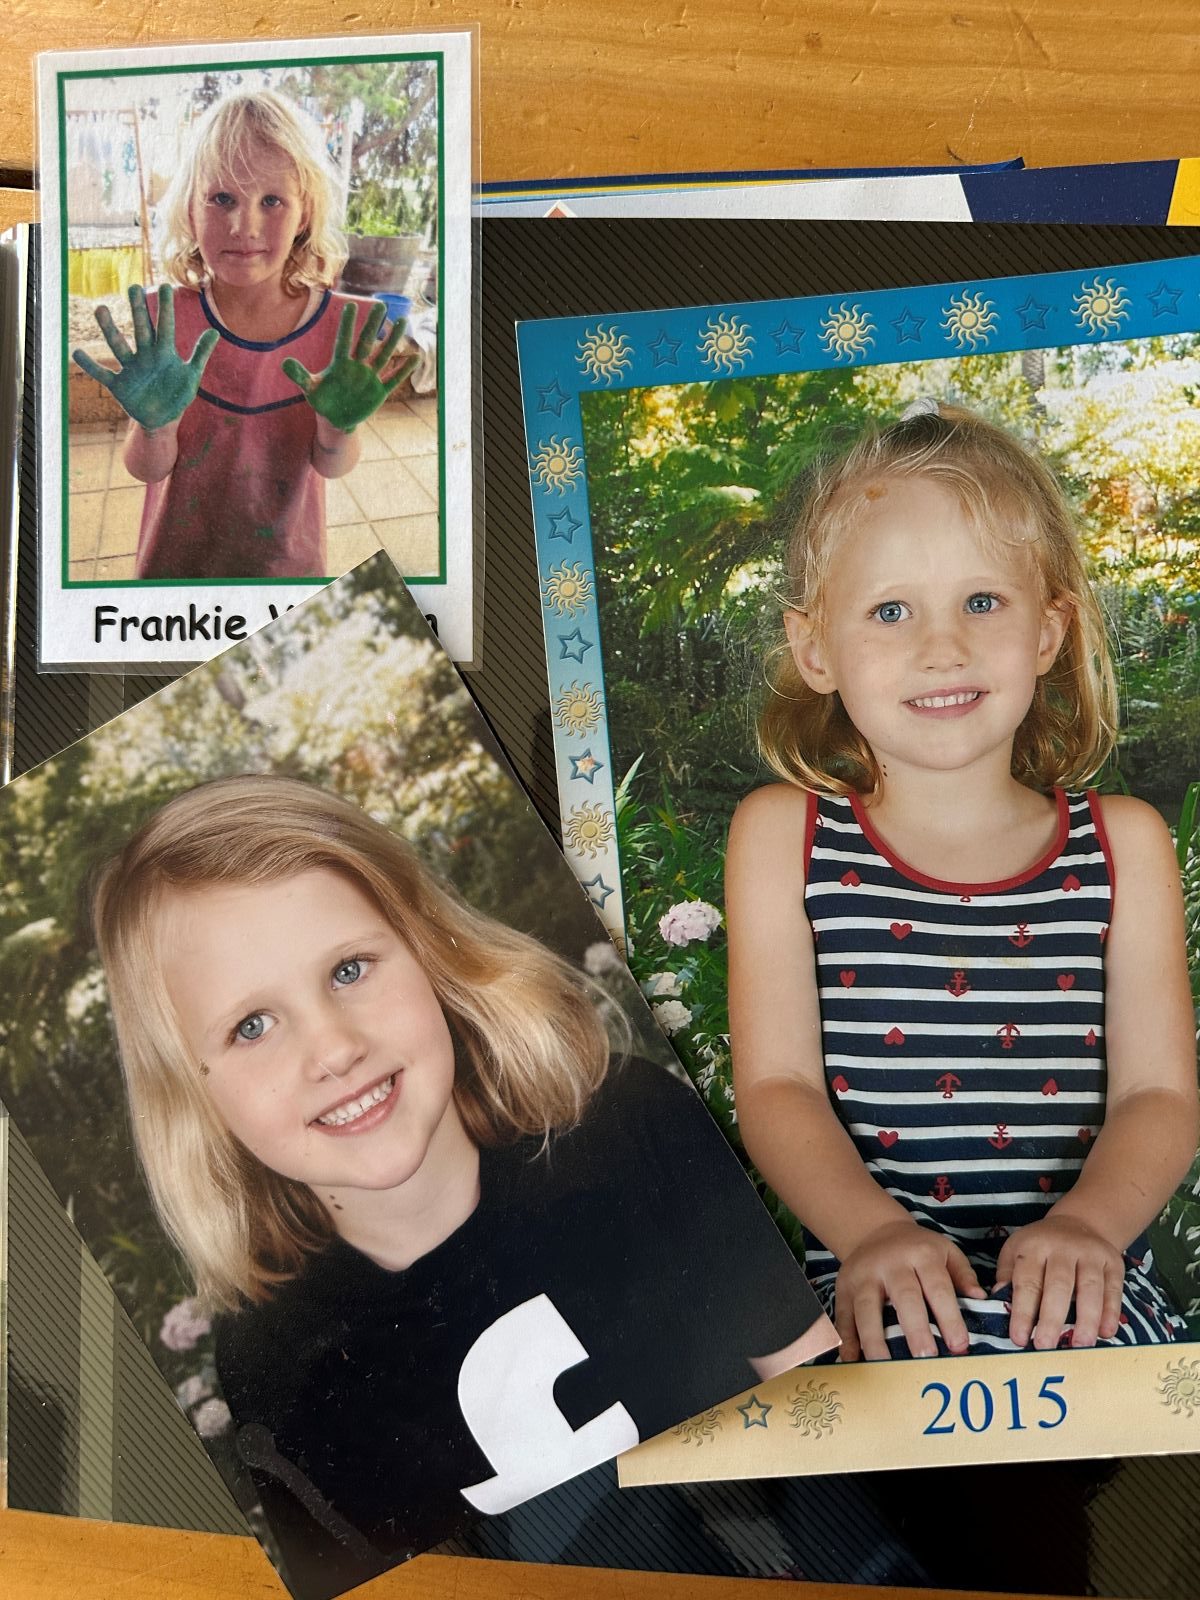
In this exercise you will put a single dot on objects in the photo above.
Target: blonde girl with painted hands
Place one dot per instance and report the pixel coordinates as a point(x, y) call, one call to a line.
point(971, 1071)
point(248, 374)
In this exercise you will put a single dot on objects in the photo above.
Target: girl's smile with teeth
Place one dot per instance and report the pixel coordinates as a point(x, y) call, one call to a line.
point(952, 700)
point(353, 1111)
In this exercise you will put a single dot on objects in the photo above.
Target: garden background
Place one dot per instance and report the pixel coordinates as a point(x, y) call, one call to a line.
point(689, 488)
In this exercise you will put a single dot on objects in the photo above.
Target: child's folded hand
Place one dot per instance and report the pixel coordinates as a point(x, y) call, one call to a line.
point(921, 1274)
point(1053, 1264)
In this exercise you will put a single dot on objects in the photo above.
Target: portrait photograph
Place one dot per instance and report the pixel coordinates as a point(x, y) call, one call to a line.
point(257, 334)
point(337, 1073)
point(734, 503)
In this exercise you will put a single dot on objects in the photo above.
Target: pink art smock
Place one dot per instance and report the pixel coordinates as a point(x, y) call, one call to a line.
point(243, 499)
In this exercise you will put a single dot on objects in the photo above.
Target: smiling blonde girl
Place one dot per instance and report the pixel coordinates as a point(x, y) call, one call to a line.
point(464, 1251)
point(973, 1077)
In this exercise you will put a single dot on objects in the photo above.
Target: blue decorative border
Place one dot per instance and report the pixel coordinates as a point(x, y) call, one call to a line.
point(564, 357)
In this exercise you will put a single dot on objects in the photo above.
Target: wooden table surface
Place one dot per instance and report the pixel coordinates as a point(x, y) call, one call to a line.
point(569, 89)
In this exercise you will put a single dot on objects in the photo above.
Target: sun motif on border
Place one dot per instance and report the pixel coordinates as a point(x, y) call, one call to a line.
point(588, 829)
point(604, 353)
point(698, 1430)
point(577, 708)
point(1180, 1387)
point(567, 588)
point(847, 331)
point(725, 342)
point(970, 319)
point(815, 1409)
point(557, 464)
point(1101, 306)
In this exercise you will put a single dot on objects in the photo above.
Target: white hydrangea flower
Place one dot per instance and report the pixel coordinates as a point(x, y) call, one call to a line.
point(662, 986)
point(212, 1418)
point(688, 921)
point(672, 1016)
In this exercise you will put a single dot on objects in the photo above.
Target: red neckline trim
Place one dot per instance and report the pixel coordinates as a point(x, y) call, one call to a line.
point(1040, 865)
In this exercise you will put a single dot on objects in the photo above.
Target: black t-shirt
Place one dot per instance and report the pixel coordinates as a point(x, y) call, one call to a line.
point(625, 1271)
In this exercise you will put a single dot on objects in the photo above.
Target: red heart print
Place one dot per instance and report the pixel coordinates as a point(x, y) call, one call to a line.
point(888, 1137)
point(1090, 1036)
point(1070, 883)
point(847, 979)
point(851, 879)
point(1050, 1087)
point(839, 1085)
point(1044, 1185)
point(1065, 981)
point(893, 1036)
point(1085, 1135)
point(901, 930)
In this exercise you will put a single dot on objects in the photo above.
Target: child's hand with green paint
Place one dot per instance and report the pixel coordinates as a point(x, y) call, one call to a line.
point(155, 386)
point(354, 386)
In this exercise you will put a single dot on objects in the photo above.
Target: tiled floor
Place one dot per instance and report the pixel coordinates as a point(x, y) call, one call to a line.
point(390, 498)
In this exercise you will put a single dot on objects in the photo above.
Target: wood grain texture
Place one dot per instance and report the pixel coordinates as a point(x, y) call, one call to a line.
point(570, 89)
point(61, 1558)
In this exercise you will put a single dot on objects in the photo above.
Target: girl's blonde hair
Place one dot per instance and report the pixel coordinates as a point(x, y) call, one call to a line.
point(1012, 501)
point(222, 142)
point(530, 1046)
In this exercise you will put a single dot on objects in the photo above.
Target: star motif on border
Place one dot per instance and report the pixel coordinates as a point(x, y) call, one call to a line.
point(908, 327)
point(552, 399)
point(597, 890)
point(754, 1412)
point(1164, 300)
point(564, 526)
point(664, 349)
point(586, 766)
point(1032, 314)
point(787, 339)
point(573, 646)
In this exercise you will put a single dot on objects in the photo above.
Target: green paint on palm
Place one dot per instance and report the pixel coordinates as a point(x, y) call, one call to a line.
point(153, 385)
point(355, 384)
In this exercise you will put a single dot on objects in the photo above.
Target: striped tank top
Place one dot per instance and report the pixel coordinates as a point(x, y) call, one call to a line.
point(963, 1037)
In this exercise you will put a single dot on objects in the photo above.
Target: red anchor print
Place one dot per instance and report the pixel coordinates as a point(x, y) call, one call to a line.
point(893, 1036)
point(941, 1189)
point(1050, 1086)
point(851, 879)
point(1021, 936)
point(1103, 933)
point(1071, 883)
point(847, 978)
point(901, 930)
point(1065, 981)
point(888, 1137)
point(958, 984)
point(1001, 1139)
point(948, 1083)
point(1007, 1032)
point(1089, 1037)
point(839, 1085)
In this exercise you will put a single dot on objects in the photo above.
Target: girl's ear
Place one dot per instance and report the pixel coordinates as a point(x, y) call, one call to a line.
point(806, 652)
point(1056, 619)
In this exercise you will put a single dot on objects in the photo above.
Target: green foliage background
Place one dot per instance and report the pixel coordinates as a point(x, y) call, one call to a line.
point(690, 489)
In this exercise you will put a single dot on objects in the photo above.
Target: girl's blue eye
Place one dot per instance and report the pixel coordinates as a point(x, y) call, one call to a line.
point(348, 972)
point(892, 611)
point(272, 200)
point(980, 604)
point(251, 1028)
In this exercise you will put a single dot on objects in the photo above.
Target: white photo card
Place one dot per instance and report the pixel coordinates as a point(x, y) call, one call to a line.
point(195, 486)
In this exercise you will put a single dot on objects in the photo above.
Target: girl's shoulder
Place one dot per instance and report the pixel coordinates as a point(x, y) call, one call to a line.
point(1136, 835)
point(771, 832)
